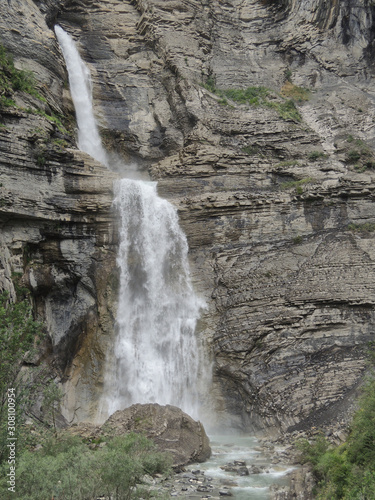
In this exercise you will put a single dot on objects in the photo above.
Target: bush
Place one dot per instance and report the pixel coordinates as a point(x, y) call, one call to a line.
point(66, 468)
point(316, 155)
point(347, 472)
point(361, 441)
point(12, 79)
point(297, 185)
point(299, 94)
point(255, 96)
point(18, 332)
point(353, 156)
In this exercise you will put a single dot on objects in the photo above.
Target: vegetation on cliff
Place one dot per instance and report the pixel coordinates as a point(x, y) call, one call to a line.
point(13, 79)
point(48, 464)
point(257, 96)
point(347, 471)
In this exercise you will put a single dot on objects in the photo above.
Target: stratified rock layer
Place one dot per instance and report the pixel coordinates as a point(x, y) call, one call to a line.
point(278, 214)
point(279, 211)
point(58, 234)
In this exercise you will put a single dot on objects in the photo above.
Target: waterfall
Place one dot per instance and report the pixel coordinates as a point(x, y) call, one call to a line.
point(156, 356)
point(156, 349)
point(81, 91)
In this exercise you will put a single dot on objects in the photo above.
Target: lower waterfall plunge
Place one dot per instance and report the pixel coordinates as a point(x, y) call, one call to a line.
point(156, 350)
point(156, 356)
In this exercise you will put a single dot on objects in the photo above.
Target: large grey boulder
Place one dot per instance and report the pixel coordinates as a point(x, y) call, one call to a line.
point(172, 430)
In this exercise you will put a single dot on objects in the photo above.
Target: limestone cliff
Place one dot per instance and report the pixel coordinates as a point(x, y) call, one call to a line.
point(276, 200)
point(57, 228)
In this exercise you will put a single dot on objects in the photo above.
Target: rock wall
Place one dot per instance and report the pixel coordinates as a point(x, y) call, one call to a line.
point(58, 233)
point(279, 213)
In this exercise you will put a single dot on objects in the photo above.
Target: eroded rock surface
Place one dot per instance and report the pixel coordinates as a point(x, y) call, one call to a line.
point(58, 234)
point(278, 211)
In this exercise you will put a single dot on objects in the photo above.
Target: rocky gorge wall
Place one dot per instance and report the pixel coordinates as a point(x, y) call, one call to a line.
point(277, 202)
point(57, 234)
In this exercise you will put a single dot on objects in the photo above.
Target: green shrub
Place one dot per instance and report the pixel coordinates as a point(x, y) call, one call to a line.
point(315, 155)
point(361, 441)
point(12, 79)
point(287, 163)
point(353, 156)
point(18, 332)
point(297, 185)
point(361, 156)
point(347, 472)
point(66, 468)
point(210, 84)
point(288, 75)
point(297, 240)
point(311, 452)
point(6, 102)
point(250, 95)
point(223, 102)
point(287, 110)
point(366, 227)
point(251, 150)
point(255, 96)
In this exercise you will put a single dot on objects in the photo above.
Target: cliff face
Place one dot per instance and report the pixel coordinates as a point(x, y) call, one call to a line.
point(57, 228)
point(277, 204)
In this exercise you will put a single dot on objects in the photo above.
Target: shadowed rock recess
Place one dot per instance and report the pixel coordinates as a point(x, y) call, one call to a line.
point(275, 188)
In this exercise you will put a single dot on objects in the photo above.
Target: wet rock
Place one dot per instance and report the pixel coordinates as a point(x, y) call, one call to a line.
point(254, 469)
point(224, 492)
point(237, 467)
point(301, 486)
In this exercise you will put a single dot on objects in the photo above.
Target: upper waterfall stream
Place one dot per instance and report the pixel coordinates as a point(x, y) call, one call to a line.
point(156, 357)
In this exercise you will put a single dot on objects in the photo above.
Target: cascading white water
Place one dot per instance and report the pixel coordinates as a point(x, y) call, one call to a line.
point(81, 91)
point(156, 349)
point(156, 357)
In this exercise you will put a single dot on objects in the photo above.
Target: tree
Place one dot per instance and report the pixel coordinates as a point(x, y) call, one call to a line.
point(18, 334)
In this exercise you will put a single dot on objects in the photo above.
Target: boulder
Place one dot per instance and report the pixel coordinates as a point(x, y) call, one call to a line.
point(172, 430)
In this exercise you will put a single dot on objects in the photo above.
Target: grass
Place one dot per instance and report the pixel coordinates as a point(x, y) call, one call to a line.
point(13, 80)
point(52, 118)
point(297, 240)
point(360, 156)
point(67, 468)
point(251, 150)
point(288, 163)
point(316, 155)
point(291, 91)
point(255, 96)
point(287, 110)
point(297, 185)
point(366, 227)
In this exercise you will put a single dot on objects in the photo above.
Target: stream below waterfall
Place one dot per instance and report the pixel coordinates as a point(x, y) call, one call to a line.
point(240, 467)
point(263, 473)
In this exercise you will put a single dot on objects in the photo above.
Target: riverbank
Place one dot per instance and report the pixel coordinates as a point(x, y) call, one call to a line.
point(241, 467)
